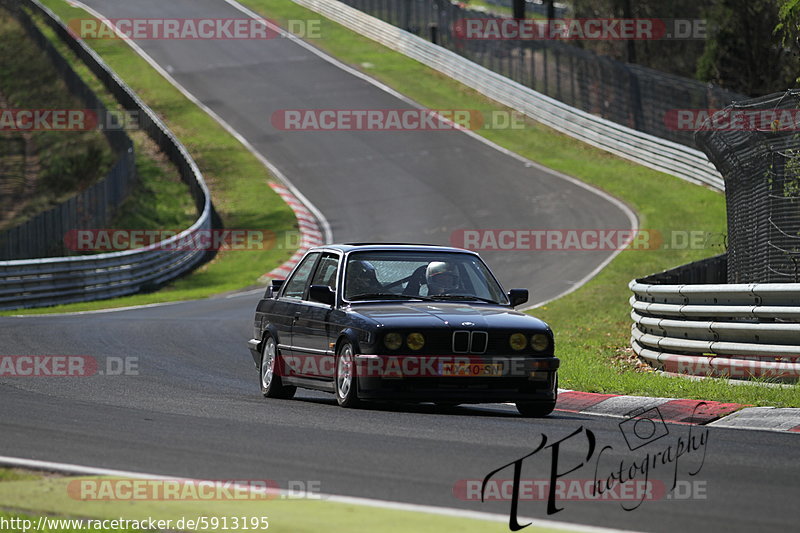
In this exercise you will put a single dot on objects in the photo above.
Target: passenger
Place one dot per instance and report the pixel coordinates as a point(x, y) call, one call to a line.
point(442, 278)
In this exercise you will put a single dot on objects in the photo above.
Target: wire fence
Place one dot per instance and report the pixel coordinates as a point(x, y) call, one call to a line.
point(43, 234)
point(755, 144)
point(628, 94)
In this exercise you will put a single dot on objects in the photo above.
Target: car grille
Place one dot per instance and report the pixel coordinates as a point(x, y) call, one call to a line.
point(470, 341)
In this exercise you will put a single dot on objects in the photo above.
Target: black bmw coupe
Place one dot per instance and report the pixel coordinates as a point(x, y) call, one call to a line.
point(399, 322)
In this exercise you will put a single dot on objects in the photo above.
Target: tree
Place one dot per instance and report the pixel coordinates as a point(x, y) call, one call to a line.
point(677, 57)
point(788, 27)
point(742, 52)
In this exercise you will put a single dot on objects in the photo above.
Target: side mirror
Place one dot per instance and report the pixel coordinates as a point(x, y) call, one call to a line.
point(517, 296)
point(322, 294)
point(273, 288)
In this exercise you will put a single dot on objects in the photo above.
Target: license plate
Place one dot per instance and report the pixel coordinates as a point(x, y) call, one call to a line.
point(471, 369)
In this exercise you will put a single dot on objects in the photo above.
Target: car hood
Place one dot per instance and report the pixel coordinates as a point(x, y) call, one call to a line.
point(446, 314)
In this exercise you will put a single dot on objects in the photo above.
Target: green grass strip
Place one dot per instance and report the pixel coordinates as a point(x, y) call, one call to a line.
point(56, 497)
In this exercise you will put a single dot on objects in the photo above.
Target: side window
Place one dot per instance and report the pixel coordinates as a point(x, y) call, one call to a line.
point(296, 285)
point(326, 271)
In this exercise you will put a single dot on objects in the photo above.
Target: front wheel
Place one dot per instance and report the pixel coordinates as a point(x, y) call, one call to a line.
point(271, 385)
point(346, 381)
point(535, 409)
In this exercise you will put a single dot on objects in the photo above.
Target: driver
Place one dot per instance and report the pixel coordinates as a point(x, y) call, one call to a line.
point(362, 278)
point(442, 277)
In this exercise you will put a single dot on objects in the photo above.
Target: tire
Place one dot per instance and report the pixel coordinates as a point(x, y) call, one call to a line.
point(271, 385)
point(538, 409)
point(535, 409)
point(345, 379)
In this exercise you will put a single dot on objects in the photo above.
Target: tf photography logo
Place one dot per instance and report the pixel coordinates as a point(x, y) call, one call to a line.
point(643, 427)
point(624, 474)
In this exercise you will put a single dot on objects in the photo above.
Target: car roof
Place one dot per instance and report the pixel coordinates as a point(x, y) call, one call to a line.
point(384, 246)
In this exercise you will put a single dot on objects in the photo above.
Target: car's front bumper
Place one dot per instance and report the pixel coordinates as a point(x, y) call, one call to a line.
point(525, 379)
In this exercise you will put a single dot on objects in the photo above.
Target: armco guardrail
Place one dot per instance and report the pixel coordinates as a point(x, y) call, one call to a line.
point(659, 154)
point(717, 329)
point(58, 280)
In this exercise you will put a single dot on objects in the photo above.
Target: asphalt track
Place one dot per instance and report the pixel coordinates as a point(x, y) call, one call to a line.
point(194, 408)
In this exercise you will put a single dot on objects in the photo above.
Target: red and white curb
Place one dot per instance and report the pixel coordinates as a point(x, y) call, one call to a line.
point(716, 414)
point(766, 418)
point(309, 230)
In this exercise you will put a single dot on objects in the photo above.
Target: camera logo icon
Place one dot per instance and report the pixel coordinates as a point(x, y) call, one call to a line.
point(643, 426)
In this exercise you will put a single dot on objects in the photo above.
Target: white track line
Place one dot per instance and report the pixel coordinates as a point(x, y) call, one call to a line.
point(97, 311)
point(352, 500)
point(629, 213)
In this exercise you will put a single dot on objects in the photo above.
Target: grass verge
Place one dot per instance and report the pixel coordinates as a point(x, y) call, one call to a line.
point(592, 324)
point(59, 498)
point(238, 183)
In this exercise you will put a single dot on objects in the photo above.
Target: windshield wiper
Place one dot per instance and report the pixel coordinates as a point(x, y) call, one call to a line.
point(463, 297)
point(387, 296)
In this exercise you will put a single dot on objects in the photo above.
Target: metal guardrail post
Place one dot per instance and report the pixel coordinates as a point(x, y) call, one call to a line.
point(688, 321)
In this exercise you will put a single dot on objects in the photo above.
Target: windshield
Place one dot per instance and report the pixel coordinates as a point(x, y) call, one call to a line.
point(401, 275)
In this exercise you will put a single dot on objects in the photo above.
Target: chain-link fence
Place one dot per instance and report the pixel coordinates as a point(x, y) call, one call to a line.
point(93, 207)
point(755, 144)
point(628, 94)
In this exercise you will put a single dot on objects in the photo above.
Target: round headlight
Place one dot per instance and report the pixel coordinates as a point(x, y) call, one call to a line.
point(415, 341)
point(539, 342)
point(393, 341)
point(517, 341)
